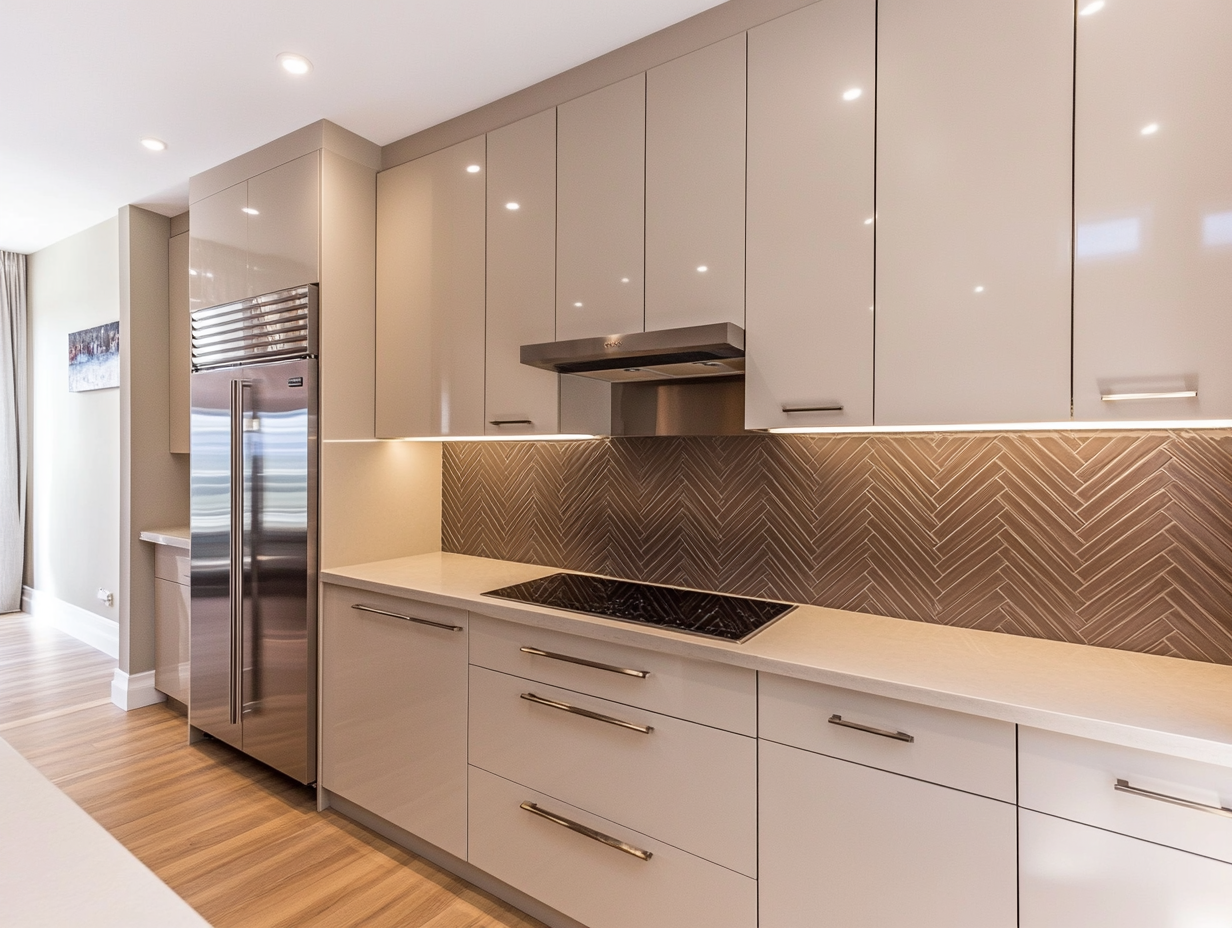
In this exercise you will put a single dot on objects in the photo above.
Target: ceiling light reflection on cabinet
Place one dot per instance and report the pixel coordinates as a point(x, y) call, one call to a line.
point(1150, 128)
point(472, 169)
point(979, 289)
point(624, 280)
point(702, 269)
point(513, 206)
point(154, 144)
point(578, 305)
point(853, 94)
point(250, 211)
point(1091, 8)
point(294, 64)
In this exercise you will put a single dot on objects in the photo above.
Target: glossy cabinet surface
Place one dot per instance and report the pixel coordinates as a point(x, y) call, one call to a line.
point(600, 211)
point(809, 317)
point(393, 704)
point(598, 885)
point(690, 785)
point(179, 367)
point(974, 191)
point(521, 276)
point(1076, 876)
point(284, 225)
point(218, 248)
point(842, 844)
point(1153, 210)
point(430, 294)
point(172, 612)
point(695, 132)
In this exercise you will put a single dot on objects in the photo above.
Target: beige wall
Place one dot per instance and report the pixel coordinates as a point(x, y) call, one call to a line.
point(153, 482)
point(73, 524)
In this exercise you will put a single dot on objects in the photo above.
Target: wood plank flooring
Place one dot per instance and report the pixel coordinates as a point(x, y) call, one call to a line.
point(242, 844)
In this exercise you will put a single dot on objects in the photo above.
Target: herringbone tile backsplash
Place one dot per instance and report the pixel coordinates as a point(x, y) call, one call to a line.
point(1121, 540)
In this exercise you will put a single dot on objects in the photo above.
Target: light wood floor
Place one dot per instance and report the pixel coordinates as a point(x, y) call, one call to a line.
point(242, 844)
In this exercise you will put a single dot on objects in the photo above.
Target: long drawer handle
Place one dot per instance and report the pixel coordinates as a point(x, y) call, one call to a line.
point(1122, 786)
point(511, 422)
point(611, 668)
point(896, 735)
point(1170, 395)
point(406, 618)
point(578, 710)
point(832, 407)
point(588, 832)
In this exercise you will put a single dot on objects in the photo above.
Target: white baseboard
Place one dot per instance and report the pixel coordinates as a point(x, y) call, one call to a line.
point(99, 633)
point(134, 690)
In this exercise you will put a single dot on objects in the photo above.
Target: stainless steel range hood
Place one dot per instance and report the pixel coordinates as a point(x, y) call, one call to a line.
point(693, 351)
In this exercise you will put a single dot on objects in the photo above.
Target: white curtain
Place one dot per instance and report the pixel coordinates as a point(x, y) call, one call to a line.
point(13, 442)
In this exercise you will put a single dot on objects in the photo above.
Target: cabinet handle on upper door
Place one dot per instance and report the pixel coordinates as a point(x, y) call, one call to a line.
point(588, 832)
point(406, 618)
point(1122, 786)
point(578, 710)
point(831, 407)
point(896, 735)
point(511, 422)
point(1172, 395)
point(611, 668)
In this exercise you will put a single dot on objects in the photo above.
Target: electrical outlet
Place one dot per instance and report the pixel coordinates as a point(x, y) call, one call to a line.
point(104, 596)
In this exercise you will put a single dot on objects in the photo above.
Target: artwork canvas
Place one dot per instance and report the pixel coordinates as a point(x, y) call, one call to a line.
point(94, 358)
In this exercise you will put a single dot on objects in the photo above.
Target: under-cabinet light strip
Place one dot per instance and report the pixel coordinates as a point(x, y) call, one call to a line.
point(1008, 427)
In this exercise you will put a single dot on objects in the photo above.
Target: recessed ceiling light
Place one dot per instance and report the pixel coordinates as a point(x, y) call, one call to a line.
point(294, 64)
point(852, 94)
point(513, 206)
point(154, 144)
point(1091, 8)
point(250, 211)
point(1150, 128)
point(472, 169)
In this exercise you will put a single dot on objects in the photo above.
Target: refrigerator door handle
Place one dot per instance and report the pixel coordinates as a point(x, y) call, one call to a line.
point(237, 548)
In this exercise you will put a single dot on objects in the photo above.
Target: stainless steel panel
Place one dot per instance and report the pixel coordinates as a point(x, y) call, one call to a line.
point(275, 648)
point(689, 351)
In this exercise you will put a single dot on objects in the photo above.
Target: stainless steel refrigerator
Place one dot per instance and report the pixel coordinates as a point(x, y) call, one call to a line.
point(254, 527)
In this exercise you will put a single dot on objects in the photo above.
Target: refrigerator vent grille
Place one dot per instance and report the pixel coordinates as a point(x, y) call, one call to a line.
point(273, 327)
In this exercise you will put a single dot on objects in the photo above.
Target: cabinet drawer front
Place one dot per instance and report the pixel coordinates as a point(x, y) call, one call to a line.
point(1076, 778)
point(712, 694)
point(1074, 876)
point(393, 713)
point(845, 845)
point(172, 564)
point(171, 638)
point(951, 748)
point(690, 785)
point(596, 884)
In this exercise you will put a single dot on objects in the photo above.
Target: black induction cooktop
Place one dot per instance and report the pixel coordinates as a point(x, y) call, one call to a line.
point(712, 614)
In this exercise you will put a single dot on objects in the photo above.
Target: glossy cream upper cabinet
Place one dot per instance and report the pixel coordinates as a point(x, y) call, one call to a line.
point(284, 225)
point(521, 302)
point(430, 294)
point(600, 211)
point(1153, 211)
point(218, 248)
point(809, 340)
point(695, 134)
point(974, 211)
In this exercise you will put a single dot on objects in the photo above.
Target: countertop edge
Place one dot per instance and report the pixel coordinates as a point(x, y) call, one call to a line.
point(177, 537)
point(681, 645)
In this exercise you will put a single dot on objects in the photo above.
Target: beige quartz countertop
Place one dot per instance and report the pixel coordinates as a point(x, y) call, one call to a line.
point(178, 537)
point(1177, 707)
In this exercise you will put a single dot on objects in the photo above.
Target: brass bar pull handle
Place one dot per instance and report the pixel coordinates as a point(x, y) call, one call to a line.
point(1170, 395)
point(896, 735)
point(588, 832)
point(1122, 786)
point(406, 618)
point(833, 407)
point(511, 422)
point(611, 668)
point(586, 713)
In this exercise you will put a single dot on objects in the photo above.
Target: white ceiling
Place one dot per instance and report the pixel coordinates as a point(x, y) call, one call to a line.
point(82, 82)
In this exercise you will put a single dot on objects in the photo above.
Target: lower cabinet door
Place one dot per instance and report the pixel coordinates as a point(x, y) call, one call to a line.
point(1076, 876)
point(171, 637)
point(542, 852)
point(393, 703)
point(852, 846)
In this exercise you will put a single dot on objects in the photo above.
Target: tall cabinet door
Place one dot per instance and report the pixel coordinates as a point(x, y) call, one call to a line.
point(695, 188)
point(1153, 204)
point(974, 189)
point(844, 844)
point(284, 225)
point(521, 275)
point(809, 342)
point(600, 211)
point(430, 294)
point(218, 248)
